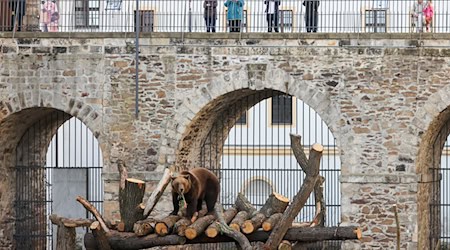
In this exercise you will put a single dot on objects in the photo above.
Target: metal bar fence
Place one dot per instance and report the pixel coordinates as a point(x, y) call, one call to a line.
point(325, 16)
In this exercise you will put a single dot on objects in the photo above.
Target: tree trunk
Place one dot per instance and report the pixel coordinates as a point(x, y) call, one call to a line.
point(165, 226)
point(100, 236)
point(309, 234)
point(249, 226)
point(157, 193)
point(312, 172)
point(199, 226)
point(243, 204)
point(130, 199)
point(276, 203)
point(214, 228)
point(144, 227)
point(65, 237)
point(270, 223)
point(319, 218)
point(182, 225)
point(237, 222)
point(285, 245)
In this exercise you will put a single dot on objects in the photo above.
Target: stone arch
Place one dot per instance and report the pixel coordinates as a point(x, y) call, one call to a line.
point(432, 121)
point(201, 108)
point(16, 116)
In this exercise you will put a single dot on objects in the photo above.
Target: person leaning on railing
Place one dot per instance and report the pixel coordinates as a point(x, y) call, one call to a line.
point(210, 14)
point(234, 14)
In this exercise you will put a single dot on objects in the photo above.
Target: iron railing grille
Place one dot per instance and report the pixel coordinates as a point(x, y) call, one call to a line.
point(329, 16)
point(70, 164)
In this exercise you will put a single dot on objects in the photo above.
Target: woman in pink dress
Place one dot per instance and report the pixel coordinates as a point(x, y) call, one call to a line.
point(428, 12)
point(49, 16)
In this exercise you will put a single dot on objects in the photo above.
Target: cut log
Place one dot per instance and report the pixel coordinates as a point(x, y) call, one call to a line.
point(199, 226)
point(270, 223)
point(65, 236)
point(249, 226)
point(285, 245)
point(144, 227)
point(214, 229)
point(165, 226)
point(86, 204)
point(319, 217)
point(312, 172)
point(67, 222)
point(275, 203)
point(130, 198)
point(157, 193)
point(308, 234)
point(243, 204)
point(237, 222)
point(100, 236)
point(181, 225)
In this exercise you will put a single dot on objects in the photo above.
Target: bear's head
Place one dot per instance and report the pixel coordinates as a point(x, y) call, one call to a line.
point(181, 184)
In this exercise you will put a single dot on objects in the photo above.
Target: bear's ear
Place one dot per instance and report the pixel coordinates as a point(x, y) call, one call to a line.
point(173, 177)
point(187, 177)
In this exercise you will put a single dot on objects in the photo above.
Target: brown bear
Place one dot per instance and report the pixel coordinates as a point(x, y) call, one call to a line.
point(196, 185)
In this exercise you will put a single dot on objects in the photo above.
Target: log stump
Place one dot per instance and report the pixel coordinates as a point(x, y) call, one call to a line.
point(214, 229)
point(199, 226)
point(270, 223)
point(165, 226)
point(130, 199)
point(237, 222)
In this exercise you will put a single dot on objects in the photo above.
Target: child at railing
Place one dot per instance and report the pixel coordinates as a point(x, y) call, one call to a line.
point(428, 13)
point(418, 15)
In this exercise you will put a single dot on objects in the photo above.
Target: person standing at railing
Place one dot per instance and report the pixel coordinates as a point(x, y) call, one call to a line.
point(210, 14)
point(49, 16)
point(17, 13)
point(428, 12)
point(417, 15)
point(272, 9)
point(311, 15)
point(234, 14)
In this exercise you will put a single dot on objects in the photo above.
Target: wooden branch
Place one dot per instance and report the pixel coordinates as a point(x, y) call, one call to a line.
point(131, 241)
point(181, 226)
point(228, 231)
point(275, 203)
point(397, 225)
point(249, 226)
point(144, 227)
point(100, 236)
point(86, 204)
point(199, 226)
point(123, 172)
point(130, 198)
point(67, 222)
point(270, 223)
point(214, 229)
point(299, 152)
point(319, 217)
point(285, 245)
point(238, 220)
point(165, 226)
point(312, 172)
point(157, 193)
point(243, 204)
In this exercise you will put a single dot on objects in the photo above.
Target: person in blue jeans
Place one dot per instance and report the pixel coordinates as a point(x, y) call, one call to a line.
point(234, 15)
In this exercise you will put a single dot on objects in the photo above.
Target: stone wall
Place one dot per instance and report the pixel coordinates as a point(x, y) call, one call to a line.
point(382, 96)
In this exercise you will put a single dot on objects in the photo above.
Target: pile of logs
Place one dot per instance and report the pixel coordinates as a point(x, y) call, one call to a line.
point(272, 226)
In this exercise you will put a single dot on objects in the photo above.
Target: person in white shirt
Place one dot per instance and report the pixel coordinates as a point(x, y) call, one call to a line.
point(418, 19)
point(272, 9)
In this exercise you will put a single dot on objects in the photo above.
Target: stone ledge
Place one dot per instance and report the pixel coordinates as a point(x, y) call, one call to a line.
point(380, 178)
point(145, 176)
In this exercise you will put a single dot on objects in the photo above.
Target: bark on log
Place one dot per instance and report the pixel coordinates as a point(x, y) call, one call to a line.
point(181, 225)
point(130, 198)
point(214, 229)
point(65, 236)
point(100, 236)
point(275, 203)
point(243, 204)
point(312, 172)
point(67, 222)
point(157, 193)
point(199, 226)
point(249, 226)
point(86, 204)
point(144, 227)
point(285, 245)
point(270, 223)
point(308, 234)
point(319, 217)
point(165, 226)
point(237, 222)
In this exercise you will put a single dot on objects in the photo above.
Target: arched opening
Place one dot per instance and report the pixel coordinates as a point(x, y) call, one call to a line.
point(53, 158)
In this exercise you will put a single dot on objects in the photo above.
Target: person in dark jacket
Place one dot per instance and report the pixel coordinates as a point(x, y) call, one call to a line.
point(272, 9)
point(210, 7)
point(311, 15)
point(17, 13)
